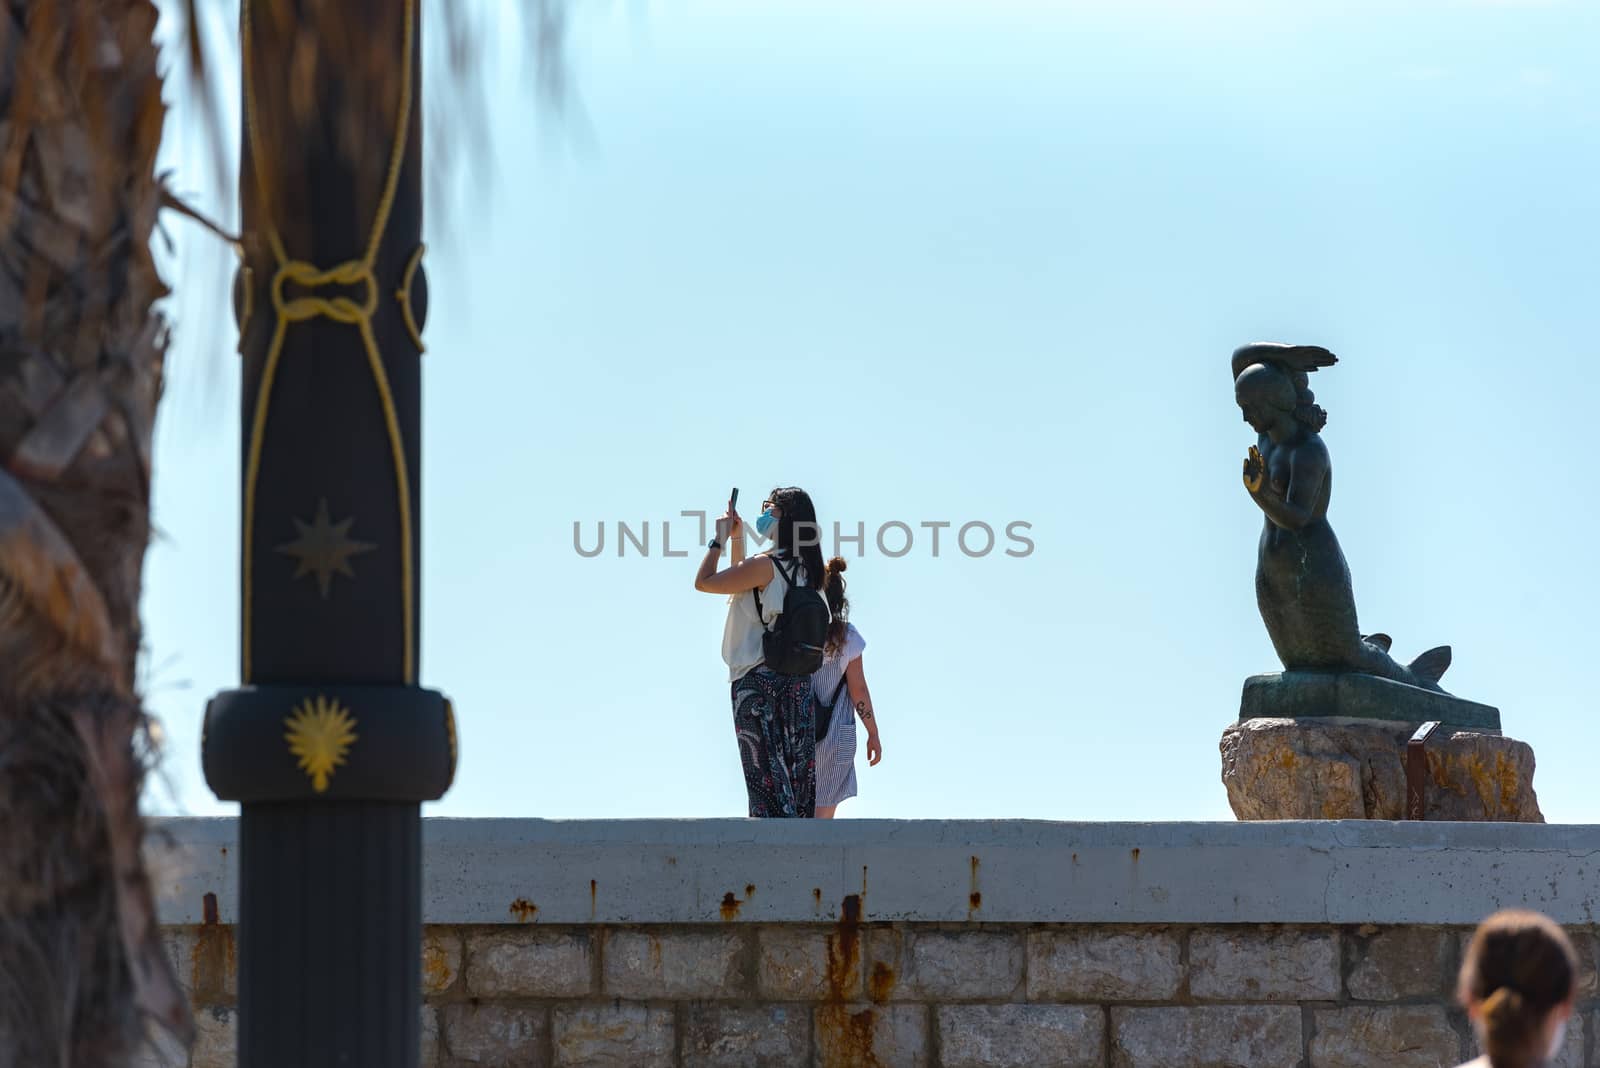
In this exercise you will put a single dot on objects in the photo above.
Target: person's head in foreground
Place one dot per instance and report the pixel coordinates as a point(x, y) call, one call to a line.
point(1518, 983)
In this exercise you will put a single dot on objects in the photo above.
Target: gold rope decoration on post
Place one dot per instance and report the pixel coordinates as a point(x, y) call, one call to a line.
point(403, 297)
point(339, 309)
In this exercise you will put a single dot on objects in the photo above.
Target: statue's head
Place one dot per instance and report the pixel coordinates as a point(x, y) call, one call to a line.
point(1270, 378)
point(1267, 397)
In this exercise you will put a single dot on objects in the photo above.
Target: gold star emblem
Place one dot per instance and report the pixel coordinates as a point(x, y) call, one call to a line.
point(323, 548)
point(320, 733)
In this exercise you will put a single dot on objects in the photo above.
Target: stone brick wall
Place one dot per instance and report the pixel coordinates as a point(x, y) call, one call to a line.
point(922, 995)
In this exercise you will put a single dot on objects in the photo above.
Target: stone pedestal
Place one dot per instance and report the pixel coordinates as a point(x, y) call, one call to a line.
point(1338, 768)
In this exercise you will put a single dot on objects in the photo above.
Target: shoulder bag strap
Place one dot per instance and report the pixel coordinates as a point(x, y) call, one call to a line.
point(837, 690)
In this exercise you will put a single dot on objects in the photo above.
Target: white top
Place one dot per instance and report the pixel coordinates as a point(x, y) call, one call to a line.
point(826, 677)
point(741, 634)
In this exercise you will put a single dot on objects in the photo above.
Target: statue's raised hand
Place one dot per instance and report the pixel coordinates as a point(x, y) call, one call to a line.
point(1255, 470)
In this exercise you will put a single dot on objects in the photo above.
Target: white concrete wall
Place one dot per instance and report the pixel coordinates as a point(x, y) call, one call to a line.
point(1008, 871)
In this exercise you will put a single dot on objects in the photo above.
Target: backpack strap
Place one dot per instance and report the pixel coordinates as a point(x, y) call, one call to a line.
point(756, 590)
point(789, 575)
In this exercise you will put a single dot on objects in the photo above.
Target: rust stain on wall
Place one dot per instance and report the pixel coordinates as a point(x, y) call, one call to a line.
point(1135, 853)
point(731, 902)
point(880, 984)
point(975, 898)
point(436, 971)
point(524, 910)
point(213, 960)
point(845, 1038)
point(844, 950)
point(594, 894)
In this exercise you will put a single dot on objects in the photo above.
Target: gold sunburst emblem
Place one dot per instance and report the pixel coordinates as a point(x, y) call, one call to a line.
point(320, 733)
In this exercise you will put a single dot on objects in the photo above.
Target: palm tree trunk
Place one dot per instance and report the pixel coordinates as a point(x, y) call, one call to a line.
point(80, 374)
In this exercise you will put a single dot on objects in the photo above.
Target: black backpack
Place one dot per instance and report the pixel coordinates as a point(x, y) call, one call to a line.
point(793, 645)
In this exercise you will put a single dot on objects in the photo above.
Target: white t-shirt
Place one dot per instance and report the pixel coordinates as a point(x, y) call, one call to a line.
point(826, 678)
point(741, 634)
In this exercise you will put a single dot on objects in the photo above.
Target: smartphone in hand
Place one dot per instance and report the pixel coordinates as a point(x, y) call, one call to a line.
point(733, 498)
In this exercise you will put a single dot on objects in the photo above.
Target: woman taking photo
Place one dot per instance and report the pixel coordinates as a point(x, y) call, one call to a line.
point(770, 658)
point(1518, 985)
point(840, 687)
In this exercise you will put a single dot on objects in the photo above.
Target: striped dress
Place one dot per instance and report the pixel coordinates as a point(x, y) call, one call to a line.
point(836, 752)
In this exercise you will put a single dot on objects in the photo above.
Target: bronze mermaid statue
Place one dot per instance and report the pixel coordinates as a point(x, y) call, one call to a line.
point(1302, 581)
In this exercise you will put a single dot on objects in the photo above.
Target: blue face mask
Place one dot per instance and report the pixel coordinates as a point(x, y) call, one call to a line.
point(764, 522)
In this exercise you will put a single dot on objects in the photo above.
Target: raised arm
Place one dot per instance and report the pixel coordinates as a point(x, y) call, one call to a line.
point(742, 574)
point(855, 680)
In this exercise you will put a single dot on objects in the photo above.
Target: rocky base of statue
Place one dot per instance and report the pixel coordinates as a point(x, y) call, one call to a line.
point(1340, 768)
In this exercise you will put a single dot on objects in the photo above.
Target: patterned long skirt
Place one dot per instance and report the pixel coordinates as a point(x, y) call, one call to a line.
point(774, 719)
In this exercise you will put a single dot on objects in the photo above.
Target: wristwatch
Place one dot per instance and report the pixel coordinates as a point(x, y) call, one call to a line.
point(713, 544)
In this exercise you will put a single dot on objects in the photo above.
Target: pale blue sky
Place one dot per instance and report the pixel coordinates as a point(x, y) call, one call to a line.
point(999, 252)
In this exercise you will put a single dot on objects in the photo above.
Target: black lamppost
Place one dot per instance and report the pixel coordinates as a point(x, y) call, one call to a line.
point(329, 743)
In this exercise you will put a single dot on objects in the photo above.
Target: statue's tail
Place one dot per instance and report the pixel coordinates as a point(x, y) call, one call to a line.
point(1431, 665)
point(1425, 670)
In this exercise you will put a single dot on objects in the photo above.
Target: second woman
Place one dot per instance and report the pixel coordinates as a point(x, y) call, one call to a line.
point(840, 688)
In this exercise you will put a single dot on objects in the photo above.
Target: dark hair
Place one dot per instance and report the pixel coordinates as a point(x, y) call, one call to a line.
point(1302, 403)
point(1519, 965)
point(838, 604)
point(798, 532)
point(1306, 409)
point(1294, 362)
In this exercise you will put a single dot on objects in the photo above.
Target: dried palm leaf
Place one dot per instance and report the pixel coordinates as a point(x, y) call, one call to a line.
point(82, 346)
point(81, 351)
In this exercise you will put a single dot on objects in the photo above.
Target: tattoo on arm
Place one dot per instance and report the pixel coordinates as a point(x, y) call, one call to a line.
point(862, 710)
